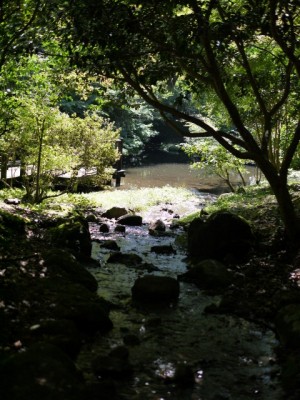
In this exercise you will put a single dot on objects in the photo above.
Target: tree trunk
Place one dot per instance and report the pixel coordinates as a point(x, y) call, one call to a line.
point(287, 210)
point(38, 170)
point(4, 161)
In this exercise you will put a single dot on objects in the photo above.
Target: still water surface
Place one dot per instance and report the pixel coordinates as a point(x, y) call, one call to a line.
point(177, 175)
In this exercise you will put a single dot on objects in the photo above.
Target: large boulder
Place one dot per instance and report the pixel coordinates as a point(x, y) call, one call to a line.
point(208, 274)
point(155, 289)
point(224, 236)
point(120, 229)
point(104, 228)
point(163, 249)
point(110, 245)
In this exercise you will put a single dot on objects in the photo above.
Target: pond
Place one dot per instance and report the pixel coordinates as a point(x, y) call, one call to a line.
point(177, 175)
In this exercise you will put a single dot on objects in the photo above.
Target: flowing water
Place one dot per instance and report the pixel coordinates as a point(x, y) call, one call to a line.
point(230, 358)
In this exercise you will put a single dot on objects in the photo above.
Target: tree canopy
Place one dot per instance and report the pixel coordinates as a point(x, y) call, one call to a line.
point(236, 61)
point(242, 55)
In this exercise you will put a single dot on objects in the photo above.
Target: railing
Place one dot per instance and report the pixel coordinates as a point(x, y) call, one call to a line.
point(10, 170)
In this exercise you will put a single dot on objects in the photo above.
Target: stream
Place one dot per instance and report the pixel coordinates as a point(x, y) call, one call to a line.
point(230, 358)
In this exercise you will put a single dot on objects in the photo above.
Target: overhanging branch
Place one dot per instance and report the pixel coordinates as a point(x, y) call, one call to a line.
point(148, 97)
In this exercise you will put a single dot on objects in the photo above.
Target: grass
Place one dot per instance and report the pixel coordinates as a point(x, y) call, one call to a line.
point(135, 200)
point(251, 196)
point(257, 205)
point(140, 199)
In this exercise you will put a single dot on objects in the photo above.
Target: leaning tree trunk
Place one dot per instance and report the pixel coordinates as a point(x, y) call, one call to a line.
point(287, 210)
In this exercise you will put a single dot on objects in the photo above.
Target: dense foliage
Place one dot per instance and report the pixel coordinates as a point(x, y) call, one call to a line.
point(46, 141)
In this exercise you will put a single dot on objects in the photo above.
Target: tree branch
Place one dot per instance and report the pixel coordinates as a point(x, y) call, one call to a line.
point(163, 107)
point(286, 162)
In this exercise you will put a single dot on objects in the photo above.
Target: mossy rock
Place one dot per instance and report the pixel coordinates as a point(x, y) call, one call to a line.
point(115, 213)
point(59, 298)
point(187, 219)
point(130, 220)
point(73, 234)
point(181, 241)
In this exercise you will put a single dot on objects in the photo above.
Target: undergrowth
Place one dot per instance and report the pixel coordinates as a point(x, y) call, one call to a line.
point(247, 203)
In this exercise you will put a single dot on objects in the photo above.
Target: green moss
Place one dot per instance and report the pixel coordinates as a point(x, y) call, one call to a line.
point(187, 219)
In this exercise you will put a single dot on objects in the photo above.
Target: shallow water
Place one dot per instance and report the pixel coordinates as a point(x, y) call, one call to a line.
point(231, 358)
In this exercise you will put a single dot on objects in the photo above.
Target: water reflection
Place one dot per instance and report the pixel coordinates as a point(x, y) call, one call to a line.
point(177, 175)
